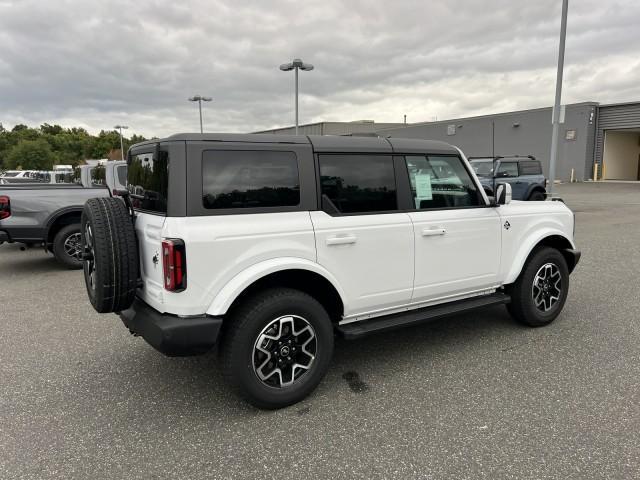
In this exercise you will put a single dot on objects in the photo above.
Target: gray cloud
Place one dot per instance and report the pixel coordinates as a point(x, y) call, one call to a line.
point(97, 63)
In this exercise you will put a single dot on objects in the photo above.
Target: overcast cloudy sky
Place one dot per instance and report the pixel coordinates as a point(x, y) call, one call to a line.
point(95, 63)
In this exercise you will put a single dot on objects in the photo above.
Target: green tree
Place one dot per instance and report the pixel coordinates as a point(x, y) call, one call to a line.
point(67, 145)
point(104, 143)
point(31, 155)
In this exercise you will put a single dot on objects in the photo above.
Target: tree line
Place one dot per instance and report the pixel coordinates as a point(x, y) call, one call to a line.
point(42, 147)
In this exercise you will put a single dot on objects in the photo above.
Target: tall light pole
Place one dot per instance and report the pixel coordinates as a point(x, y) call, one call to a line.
point(296, 65)
point(120, 128)
point(200, 99)
point(556, 105)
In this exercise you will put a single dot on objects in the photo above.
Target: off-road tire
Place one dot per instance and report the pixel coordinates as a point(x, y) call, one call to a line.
point(112, 252)
point(522, 307)
point(536, 196)
point(242, 331)
point(60, 249)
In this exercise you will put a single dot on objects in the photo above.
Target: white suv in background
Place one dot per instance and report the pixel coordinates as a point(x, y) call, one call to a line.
point(270, 245)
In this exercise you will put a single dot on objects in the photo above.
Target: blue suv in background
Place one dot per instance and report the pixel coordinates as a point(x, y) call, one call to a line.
point(524, 173)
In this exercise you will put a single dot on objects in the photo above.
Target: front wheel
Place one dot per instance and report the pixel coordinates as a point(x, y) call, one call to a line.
point(536, 196)
point(277, 347)
point(540, 292)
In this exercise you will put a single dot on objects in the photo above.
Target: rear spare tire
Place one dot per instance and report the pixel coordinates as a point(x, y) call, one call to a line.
point(110, 254)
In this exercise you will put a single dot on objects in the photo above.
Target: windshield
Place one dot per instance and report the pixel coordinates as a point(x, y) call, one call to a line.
point(483, 168)
point(10, 174)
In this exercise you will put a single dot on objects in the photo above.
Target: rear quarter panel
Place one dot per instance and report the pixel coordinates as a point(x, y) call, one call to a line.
point(220, 248)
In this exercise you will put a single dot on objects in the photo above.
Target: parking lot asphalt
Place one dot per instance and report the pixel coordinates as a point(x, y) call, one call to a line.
point(473, 396)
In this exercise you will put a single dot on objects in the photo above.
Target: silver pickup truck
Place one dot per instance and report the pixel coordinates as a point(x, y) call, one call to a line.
point(49, 214)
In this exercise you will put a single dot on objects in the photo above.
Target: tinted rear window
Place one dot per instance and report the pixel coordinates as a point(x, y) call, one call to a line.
point(148, 181)
point(530, 168)
point(249, 179)
point(121, 173)
point(98, 175)
point(359, 183)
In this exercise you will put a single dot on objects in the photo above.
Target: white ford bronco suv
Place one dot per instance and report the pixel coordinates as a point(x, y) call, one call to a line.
point(270, 245)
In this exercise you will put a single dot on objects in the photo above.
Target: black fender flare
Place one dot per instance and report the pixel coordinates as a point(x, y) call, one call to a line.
point(55, 216)
point(535, 186)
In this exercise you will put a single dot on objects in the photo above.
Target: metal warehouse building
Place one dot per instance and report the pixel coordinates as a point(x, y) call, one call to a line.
point(358, 127)
point(591, 134)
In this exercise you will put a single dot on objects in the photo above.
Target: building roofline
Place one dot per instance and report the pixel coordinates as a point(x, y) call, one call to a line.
point(637, 102)
point(352, 122)
point(488, 115)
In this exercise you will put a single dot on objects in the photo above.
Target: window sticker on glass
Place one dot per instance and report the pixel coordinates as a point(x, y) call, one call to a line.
point(423, 188)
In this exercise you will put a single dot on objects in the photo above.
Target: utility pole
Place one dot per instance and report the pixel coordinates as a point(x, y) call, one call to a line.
point(556, 104)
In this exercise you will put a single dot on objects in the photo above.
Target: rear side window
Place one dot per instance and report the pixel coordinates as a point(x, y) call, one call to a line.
point(148, 181)
point(530, 168)
point(249, 179)
point(359, 183)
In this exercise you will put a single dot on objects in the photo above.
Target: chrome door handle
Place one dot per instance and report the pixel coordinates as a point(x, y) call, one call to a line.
point(343, 240)
point(432, 232)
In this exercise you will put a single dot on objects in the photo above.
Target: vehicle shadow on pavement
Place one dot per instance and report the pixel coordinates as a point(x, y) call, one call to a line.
point(197, 382)
point(28, 263)
point(453, 334)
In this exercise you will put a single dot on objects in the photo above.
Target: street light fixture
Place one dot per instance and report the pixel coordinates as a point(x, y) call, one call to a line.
point(120, 128)
point(200, 99)
point(296, 65)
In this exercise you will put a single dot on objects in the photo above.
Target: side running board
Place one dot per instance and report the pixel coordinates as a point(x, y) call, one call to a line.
point(362, 328)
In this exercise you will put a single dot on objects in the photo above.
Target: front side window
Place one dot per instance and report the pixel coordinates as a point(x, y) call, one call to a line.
point(148, 181)
point(249, 179)
point(507, 169)
point(440, 182)
point(358, 183)
point(483, 168)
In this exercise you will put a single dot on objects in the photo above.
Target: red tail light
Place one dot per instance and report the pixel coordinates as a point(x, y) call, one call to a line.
point(5, 207)
point(174, 265)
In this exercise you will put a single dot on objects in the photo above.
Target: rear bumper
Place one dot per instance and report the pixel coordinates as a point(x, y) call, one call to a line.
point(4, 237)
point(172, 335)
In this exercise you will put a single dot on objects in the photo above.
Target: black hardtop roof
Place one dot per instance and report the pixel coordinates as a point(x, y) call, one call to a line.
point(511, 158)
point(320, 143)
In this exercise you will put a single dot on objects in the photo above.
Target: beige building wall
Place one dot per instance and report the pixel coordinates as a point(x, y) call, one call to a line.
point(621, 155)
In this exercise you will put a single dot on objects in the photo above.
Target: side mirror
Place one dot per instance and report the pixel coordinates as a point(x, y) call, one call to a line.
point(503, 194)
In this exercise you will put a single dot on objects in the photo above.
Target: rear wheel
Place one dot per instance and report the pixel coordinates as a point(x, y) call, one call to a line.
point(540, 292)
point(277, 348)
point(67, 248)
point(110, 254)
